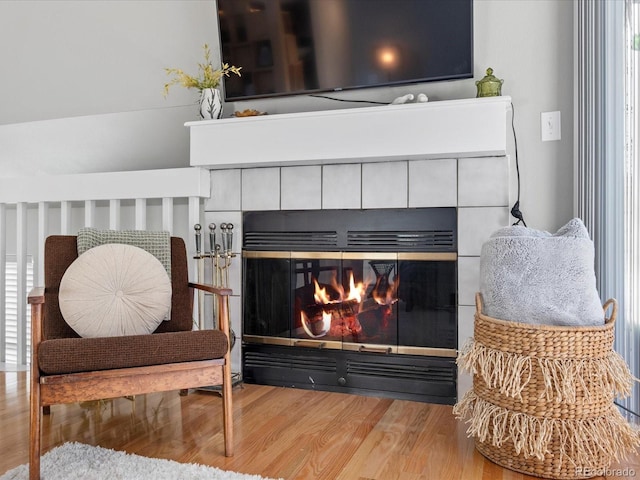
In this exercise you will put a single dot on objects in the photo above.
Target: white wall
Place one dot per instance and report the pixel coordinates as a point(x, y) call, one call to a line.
point(106, 58)
point(67, 58)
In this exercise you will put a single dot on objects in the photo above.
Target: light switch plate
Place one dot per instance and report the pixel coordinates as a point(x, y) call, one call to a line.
point(550, 126)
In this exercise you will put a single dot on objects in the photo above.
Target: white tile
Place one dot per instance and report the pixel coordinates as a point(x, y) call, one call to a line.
point(301, 188)
point(342, 186)
point(475, 226)
point(261, 189)
point(466, 316)
point(483, 182)
point(468, 280)
point(432, 183)
point(225, 190)
point(384, 185)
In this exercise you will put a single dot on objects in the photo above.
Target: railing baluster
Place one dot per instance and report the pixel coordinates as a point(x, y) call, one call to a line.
point(89, 213)
point(21, 294)
point(141, 213)
point(114, 214)
point(194, 217)
point(65, 218)
point(43, 231)
point(167, 214)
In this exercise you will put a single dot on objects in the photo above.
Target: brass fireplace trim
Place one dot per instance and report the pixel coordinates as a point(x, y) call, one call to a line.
point(265, 254)
point(429, 256)
point(350, 346)
point(262, 340)
point(428, 351)
point(319, 344)
point(369, 256)
point(316, 255)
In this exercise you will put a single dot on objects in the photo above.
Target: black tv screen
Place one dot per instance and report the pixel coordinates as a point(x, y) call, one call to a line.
point(301, 46)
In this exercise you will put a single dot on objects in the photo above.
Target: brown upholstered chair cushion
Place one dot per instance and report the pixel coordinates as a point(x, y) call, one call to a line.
point(69, 355)
point(63, 351)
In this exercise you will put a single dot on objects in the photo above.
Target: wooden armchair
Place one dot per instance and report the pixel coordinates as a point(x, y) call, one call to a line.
point(66, 368)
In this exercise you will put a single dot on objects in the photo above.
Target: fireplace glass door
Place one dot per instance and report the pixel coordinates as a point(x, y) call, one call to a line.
point(427, 302)
point(367, 301)
point(267, 297)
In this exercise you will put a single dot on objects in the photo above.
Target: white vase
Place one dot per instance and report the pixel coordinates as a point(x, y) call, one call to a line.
point(210, 104)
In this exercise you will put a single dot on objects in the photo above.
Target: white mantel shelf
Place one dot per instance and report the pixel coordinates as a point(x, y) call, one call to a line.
point(453, 128)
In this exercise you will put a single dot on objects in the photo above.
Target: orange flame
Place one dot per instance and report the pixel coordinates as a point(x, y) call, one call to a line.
point(389, 296)
point(344, 320)
point(320, 294)
point(356, 292)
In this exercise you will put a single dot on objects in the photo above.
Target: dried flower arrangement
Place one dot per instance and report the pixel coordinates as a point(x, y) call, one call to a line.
point(208, 77)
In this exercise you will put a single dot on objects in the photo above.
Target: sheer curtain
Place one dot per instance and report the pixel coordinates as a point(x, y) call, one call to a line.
point(606, 159)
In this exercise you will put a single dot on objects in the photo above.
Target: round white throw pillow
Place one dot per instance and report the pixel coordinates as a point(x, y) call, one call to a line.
point(114, 290)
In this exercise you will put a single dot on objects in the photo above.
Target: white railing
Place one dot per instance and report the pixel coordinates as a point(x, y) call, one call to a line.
point(32, 208)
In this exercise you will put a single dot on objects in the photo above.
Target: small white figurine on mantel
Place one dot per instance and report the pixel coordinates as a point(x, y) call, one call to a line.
point(403, 99)
point(421, 98)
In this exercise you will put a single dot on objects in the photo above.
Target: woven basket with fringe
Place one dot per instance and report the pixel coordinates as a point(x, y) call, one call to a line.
point(542, 397)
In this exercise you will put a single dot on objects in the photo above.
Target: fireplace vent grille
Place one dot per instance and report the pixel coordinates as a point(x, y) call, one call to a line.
point(382, 230)
point(364, 241)
point(399, 371)
point(290, 240)
point(291, 362)
point(413, 241)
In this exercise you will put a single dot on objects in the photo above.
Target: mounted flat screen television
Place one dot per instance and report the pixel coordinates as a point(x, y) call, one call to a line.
point(290, 47)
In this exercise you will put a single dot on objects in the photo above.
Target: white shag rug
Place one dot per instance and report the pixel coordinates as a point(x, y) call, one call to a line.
point(76, 461)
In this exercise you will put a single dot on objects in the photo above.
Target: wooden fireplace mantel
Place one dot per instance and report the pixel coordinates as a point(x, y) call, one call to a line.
point(453, 128)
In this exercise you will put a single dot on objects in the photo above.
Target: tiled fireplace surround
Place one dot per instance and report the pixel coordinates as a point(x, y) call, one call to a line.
point(473, 178)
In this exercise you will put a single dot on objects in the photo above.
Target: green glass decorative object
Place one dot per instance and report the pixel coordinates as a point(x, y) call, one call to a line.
point(489, 86)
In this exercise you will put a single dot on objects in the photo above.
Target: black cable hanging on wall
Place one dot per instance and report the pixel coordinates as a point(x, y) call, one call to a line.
point(515, 210)
point(371, 102)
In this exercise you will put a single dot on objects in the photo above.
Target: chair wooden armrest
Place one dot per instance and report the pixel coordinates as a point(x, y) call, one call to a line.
point(36, 296)
point(224, 321)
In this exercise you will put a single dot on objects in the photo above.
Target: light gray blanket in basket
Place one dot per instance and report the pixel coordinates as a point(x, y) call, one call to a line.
point(534, 277)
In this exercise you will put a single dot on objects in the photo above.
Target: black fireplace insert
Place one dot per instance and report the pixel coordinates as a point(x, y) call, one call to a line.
point(359, 301)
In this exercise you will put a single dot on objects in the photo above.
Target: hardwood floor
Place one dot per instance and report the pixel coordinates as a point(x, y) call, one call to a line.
point(279, 432)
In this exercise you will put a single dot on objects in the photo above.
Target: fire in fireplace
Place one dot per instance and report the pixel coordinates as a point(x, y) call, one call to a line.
point(355, 312)
point(362, 301)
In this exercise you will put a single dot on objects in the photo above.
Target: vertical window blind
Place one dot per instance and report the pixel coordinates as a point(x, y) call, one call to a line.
point(628, 336)
point(11, 310)
point(607, 161)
